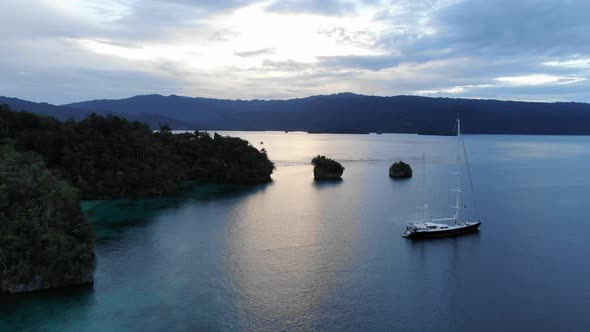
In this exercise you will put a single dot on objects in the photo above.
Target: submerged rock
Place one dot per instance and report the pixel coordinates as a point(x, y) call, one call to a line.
point(326, 168)
point(400, 170)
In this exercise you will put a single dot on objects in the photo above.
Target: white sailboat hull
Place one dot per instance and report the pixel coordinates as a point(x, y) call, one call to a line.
point(427, 229)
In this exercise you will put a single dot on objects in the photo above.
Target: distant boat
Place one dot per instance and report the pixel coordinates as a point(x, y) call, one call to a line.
point(452, 226)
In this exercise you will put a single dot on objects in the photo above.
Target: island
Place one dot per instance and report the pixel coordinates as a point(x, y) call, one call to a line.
point(47, 166)
point(44, 240)
point(326, 168)
point(109, 157)
point(400, 170)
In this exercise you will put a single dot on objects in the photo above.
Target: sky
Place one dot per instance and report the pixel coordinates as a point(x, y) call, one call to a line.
point(62, 51)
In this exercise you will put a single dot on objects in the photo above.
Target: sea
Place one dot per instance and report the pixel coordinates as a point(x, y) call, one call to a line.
point(299, 255)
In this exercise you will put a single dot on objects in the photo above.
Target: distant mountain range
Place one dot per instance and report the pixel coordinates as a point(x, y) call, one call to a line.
point(65, 112)
point(344, 112)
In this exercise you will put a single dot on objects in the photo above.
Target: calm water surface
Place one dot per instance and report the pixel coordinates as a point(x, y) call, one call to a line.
point(299, 255)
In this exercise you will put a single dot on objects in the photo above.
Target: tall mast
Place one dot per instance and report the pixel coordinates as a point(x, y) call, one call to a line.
point(425, 216)
point(457, 189)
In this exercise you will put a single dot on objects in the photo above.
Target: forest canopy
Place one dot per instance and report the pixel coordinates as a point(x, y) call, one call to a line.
point(109, 156)
point(44, 239)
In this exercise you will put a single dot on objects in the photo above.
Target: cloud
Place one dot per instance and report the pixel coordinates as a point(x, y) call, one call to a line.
point(262, 51)
point(510, 28)
point(344, 35)
point(60, 87)
point(34, 20)
point(539, 79)
point(369, 62)
point(324, 7)
point(210, 6)
point(286, 65)
point(223, 35)
point(69, 51)
point(573, 63)
point(506, 45)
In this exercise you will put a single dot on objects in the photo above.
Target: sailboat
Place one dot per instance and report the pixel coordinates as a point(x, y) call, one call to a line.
point(452, 226)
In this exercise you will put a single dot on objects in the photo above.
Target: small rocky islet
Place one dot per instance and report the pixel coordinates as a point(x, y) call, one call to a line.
point(325, 168)
point(400, 170)
point(329, 169)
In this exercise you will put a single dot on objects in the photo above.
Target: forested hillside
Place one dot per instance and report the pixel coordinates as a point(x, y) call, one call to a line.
point(109, 156)
point(347, 112)
point(44, 240)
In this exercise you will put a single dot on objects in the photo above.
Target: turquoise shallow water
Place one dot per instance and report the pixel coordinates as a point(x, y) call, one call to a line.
point(298, 255)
